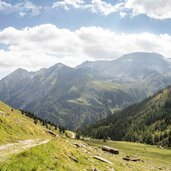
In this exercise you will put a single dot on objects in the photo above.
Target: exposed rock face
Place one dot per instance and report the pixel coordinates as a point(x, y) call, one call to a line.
point(110, 150)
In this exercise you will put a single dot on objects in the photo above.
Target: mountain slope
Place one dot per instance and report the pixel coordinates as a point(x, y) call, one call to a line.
point(148, 121)
point(70, 97)
point(74, 97)
point(15, 126)
point(14, 83)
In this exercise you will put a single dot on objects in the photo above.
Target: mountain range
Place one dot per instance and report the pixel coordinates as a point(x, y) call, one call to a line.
point(75, 97)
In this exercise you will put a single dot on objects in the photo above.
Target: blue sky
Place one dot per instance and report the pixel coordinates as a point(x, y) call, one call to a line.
point(76, 18)
point(36, 34)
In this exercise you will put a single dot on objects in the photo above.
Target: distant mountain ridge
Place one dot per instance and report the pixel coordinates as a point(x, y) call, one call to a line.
point(74, 97)
point(129, 65)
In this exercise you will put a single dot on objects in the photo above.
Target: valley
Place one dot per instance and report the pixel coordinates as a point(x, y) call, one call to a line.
point(97, 104)
point(63, 154)
point(31, 145)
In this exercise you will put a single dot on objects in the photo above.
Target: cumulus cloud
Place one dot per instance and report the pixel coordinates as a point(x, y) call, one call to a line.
point(95, 6)
point(22, 8)
point(44, 45)
point(27, 7)
point(67, 4)
point(4, 5)
point(158, 9)
point(99, 6)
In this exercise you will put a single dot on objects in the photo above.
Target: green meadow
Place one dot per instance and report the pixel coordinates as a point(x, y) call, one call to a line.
point(58, 155)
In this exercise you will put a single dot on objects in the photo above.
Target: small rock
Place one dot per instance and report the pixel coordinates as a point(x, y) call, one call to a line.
point(102, 159)
point(110, 150)
point(128, 158)
point(96, 148)
point(3, 113)
point(80, 145)
point(73, 158)
point(160, 168)
point(77, 145)
point(50, 132)
point(94, 169)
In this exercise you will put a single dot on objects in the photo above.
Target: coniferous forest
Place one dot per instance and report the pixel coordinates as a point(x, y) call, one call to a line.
point(147, 122)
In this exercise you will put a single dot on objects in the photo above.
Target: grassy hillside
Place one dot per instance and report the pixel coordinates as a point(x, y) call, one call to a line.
point(148, 121)
point(68, 154)
point(57, 155)
point(15, 126)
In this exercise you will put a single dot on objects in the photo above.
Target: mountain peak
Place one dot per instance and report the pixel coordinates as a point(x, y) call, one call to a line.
point(143, 59)
point(18, 73)
point(58, 66)
point(20, 70)
point(143, 56)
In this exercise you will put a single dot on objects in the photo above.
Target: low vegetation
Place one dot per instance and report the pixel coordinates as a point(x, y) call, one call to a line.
point(63, 154)
point(15, 126)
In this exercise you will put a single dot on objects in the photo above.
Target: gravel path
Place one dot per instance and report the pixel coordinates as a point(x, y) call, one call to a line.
point(12, 148)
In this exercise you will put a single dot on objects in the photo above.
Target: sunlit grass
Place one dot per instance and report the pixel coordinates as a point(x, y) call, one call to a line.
point(55, 156)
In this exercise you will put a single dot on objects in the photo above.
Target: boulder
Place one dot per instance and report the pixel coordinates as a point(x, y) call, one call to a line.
point(110, 150)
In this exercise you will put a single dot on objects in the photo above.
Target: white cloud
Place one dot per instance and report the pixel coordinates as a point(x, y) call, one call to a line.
point(23, 8)
point(28, 7)
point(4, 5)
point(67, 4)
point(99, 6)
point(158, 9)
point(44, 45)
point(95, 6)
